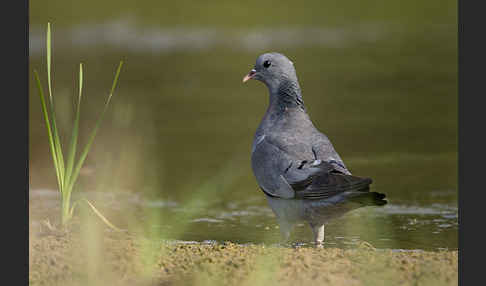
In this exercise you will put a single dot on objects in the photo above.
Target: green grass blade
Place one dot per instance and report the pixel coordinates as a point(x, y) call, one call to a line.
point(84, 154)
point(48, 46)
point(104, 219)
point(115, 81)
point(71, 211)
point(74, 136)
point(48, 125)
point(57, 143)
point(58, 149)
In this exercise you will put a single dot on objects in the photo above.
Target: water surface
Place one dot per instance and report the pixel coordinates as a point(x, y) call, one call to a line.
point(251, 221)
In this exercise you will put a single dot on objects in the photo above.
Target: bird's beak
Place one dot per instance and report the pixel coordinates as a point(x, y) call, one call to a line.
point(250, 75)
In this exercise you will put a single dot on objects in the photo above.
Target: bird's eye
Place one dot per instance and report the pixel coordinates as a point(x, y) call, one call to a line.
point(266, 64)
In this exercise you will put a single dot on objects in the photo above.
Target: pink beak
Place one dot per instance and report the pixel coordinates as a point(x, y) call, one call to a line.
point(249, 75)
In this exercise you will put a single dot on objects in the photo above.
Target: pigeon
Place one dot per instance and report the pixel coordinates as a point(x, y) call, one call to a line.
point(295, 165)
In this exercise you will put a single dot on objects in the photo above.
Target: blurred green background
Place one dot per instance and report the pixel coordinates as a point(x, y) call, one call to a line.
point(378, 77)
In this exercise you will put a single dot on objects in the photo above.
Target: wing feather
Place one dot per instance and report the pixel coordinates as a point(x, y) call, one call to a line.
point(281, 175)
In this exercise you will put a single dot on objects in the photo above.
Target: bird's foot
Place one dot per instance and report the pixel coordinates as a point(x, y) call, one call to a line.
point(319, 244)
point(318, 231)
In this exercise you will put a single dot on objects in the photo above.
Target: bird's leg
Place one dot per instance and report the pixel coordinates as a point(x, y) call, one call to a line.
point(318, 231)
point(285, 228)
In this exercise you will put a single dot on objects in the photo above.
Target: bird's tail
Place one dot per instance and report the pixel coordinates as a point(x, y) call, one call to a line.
point(367, 198)
point(358, 191)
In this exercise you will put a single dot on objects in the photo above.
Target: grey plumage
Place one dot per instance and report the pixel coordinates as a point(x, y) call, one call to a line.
point(296, 166)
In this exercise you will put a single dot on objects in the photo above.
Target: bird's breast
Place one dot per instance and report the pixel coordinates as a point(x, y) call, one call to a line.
point(258, 139)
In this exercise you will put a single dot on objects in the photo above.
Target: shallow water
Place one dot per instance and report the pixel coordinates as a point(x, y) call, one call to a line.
point(396, 227)
point(173, 153)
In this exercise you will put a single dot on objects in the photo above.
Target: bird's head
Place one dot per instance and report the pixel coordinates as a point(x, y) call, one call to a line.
point(272, 69)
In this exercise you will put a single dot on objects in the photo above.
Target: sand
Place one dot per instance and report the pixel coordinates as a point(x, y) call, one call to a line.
point(94, 257)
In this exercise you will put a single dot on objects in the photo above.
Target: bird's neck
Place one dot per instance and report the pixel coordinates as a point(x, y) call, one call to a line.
point(285, 104)
point(286, 94)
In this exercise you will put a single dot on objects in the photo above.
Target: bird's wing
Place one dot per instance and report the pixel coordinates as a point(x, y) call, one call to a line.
point(321, 180)
point(269, 163)
point(324, 150)
point(281, 175)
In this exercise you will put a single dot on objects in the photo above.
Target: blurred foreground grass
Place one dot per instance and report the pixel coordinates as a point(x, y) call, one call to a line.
point(119, 259)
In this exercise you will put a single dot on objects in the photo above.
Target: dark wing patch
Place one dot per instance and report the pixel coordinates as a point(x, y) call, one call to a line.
point(324, 181)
